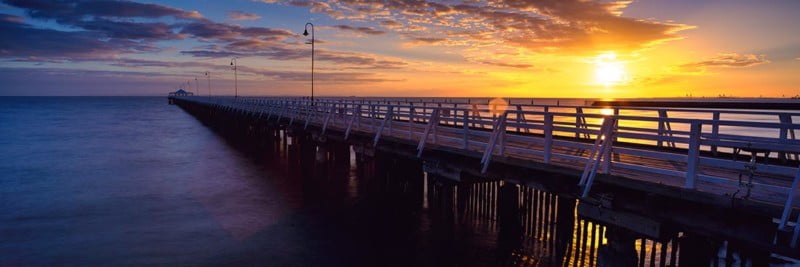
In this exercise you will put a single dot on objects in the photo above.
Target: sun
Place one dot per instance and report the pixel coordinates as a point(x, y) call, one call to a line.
point(608, 70)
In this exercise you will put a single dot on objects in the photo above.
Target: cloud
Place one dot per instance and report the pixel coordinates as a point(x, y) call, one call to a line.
point(358, 59)
point(241, 15)
point(725, 60)
point(108, 28)
point(550, 26)
point(314, 6)
point(69, 11)
point(22, 40)
point(11, 18)
point(212, 30)
point(391, 24)
point(427, 40)
point(210, 53)
point(349, 60)
point(130, 30)
point(97, 29)
point(364, 30)
point(509, 65)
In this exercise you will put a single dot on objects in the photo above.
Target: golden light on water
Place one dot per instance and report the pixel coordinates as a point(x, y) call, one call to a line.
point(608, 70)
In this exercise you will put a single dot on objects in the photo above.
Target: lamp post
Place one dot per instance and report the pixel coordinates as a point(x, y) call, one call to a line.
point(235, 78)
point(196, 86)
point(305, 33)
point(208, 76)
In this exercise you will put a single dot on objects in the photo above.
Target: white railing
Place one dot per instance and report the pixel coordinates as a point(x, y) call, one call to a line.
point(669, 145)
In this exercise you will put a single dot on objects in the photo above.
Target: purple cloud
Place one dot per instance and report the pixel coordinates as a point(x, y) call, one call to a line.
point(24, 41)
point(364, 30)
point(69, 11)
point(241, 15)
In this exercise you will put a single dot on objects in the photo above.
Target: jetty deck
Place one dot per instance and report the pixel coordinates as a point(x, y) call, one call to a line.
point(702, 154)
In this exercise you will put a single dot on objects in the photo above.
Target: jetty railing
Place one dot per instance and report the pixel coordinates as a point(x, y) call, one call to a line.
point(695, 149)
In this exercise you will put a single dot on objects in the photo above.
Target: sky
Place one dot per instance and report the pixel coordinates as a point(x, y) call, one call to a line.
point(470, 48)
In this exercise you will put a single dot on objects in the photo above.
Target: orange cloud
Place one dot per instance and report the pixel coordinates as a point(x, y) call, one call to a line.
point(726, 60)
point(553, 26)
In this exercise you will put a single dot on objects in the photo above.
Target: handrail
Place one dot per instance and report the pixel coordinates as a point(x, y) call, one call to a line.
point(397, 100)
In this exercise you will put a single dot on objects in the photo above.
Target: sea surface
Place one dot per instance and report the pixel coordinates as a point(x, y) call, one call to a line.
point(111, 181)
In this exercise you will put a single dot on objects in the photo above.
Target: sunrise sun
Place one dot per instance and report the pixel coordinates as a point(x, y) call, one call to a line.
point(608, 70)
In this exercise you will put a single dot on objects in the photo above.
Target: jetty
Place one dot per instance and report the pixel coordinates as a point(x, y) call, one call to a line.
point(730, 172)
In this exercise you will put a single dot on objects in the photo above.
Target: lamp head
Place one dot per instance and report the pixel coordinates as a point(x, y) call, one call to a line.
point(305, 32)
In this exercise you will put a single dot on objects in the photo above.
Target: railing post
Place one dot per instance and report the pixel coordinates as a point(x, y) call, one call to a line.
point(390, 114)
point(439, 106)
point(502, 129)
point(693, 160)
point(610, 137)
point(519, 120)
point(350, 124)
point(280, 115)
point(476, 114)
point(432, 124)
point(372, 116)
point(466, 129)
point(386, 117)
point(578, 121)
point(438, 112)
point(715, 131)
point(328, 118)
point(411, 121)
point(660, 141)
point(786, 120)
point(487, 154)
point(548, 137)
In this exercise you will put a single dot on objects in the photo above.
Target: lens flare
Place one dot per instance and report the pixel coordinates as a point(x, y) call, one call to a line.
point(498, 106)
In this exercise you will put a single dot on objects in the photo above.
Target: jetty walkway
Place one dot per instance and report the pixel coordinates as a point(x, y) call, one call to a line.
point(712, 156)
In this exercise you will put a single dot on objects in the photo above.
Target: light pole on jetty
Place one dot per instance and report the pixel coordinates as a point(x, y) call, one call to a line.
point(305, 33)
point(196, 86)
point(208, 76)
point(235, 78)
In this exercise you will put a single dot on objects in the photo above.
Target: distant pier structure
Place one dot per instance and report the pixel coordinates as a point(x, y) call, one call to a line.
point(726, 172)
point(179, 92)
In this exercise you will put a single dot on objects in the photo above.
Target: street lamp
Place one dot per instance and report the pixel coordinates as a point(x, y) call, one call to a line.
point(196, 86)
point(305, 33)
point(235, 77)
point(208, 75)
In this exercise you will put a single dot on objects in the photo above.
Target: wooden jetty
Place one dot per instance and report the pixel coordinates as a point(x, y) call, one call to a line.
point(733, 159)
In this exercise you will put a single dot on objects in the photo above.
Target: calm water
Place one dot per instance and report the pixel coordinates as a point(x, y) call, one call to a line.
point(134, 181)
point(108, 181)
